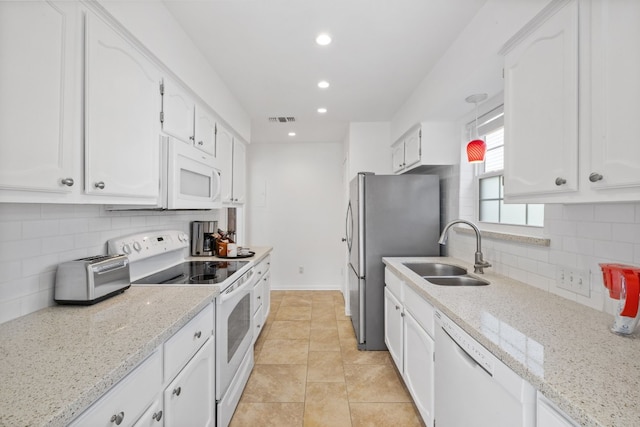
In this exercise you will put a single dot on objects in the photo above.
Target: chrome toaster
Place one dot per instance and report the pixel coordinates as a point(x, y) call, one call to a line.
point(90, 280)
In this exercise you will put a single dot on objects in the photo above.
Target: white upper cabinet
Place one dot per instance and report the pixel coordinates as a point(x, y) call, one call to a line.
point(122, 116)
point(231, 158)
point(224, 158)
point(205, 131)
point(39, 83)
point(615, 114)
point(571, 104)
point(430, 143)
point(177, 111)
point(541, 105)
point(239, 171)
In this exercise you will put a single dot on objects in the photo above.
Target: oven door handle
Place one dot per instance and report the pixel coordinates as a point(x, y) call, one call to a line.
point(233, 289)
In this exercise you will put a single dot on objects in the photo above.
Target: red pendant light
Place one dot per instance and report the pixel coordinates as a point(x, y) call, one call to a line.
point(477, 148)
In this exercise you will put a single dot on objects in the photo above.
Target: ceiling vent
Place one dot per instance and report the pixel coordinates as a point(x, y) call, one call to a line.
point(281, 119)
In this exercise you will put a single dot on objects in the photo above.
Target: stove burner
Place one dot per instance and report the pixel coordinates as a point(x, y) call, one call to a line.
point(194, 273)
point(204, 278)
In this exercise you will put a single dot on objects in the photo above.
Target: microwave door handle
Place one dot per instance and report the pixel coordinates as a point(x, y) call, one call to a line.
point(225, 296)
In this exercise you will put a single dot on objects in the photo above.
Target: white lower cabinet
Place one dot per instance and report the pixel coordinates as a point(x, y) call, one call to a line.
point(408, 330)
point(189, 400)
point(261, 295)
point(127, 400)
point(418, 351)
point(393, 327)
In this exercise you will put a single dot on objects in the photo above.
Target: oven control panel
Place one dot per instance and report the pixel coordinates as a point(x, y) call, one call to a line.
point(144, 245)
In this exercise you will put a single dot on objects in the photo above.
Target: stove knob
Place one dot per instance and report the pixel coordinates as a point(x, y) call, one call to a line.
point(137, 246)
point(126, 249)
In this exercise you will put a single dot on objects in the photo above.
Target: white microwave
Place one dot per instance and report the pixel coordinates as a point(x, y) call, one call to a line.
point(191, 181)
point(188, 179)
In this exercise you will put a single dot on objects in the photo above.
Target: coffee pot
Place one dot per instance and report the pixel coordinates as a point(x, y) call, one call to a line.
point(203, 241)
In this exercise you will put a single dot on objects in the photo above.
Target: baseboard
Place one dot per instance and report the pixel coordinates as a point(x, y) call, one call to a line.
point(276, 287)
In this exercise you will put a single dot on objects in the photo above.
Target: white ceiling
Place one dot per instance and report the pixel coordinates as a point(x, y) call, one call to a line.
point(265, 51)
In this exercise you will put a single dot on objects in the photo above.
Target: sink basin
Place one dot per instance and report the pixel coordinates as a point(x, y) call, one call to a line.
point(429, 269)
point(457, 281)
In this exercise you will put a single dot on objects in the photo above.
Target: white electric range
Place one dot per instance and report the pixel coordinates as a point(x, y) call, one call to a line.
point(160, 258)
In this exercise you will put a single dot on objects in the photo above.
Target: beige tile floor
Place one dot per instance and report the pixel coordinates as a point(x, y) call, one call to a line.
point(308, 371)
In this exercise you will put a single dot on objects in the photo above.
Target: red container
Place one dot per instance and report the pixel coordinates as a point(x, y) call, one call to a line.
point(612, 275)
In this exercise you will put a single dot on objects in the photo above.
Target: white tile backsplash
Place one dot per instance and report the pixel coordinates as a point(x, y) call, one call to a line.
point(582, 236)
point(35, 238)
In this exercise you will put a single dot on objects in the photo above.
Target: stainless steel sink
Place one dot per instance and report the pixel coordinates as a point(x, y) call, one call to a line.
point(429, 269)
point(442, 274)
point(456, 281)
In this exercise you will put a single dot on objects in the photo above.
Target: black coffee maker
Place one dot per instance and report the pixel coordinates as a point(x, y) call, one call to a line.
point(203, 242)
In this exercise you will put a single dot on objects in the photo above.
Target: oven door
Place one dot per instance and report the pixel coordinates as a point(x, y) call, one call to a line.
point(192, 181)
point(233, 330)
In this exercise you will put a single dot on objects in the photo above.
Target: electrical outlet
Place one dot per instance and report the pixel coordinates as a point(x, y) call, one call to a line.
point(301, 270)
point(574, 280)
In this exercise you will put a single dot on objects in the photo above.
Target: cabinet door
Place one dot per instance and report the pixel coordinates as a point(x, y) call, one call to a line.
point(122, 116)
point(205, 136)
point(419, 367)
point(548, 416)
point(239, 189)
point(393, 327)
point(224, 158)
point(38, 85)
point(153, 416)
point(397, 157)
point(189, 400)
point(177, 111)
point(412, 149)
point(616, 94)
point(266, 299)
point(541, 108)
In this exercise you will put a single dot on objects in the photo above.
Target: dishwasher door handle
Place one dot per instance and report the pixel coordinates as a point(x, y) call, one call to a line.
point(472, 361)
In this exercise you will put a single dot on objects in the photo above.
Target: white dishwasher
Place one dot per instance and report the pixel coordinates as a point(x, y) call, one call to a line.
point(473, 388)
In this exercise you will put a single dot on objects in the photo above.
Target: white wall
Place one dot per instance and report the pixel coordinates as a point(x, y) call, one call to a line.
point(295, 205)
point(152, 24)
point(35, 238)
point(471, 65)
point(369, 148)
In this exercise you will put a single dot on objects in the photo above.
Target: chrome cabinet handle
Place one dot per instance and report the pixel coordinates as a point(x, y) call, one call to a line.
point(117, 418)
point(177, 391)
point(200, 143)
point(67, 181)
point(560, 181)
point(99, 185)
point(259, 297)
point(401, 314)
point(397, 307)
point(595, 177)
point(192, 138)
point(198, 334)
point(157, 416)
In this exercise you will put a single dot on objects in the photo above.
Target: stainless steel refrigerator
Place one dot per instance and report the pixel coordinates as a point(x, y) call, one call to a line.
point(387, 215)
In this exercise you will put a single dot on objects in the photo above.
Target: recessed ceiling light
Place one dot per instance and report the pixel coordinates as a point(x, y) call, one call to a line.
point(323, 84)
point(323, 39)
point(292, 134)
point(322, 110)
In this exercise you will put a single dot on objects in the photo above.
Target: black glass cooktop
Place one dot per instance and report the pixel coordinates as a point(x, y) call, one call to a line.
point(194, 273)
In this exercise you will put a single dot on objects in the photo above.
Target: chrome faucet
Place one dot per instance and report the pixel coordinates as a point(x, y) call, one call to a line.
point(480, 264)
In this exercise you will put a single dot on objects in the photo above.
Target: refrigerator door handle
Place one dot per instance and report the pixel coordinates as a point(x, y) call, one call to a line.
point(349, 227)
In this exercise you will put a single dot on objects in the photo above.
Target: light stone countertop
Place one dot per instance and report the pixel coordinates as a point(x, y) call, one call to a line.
point(56, 362)
point(564, 349)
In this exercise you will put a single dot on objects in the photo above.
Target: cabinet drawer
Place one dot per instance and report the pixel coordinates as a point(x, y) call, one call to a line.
point(186, 342)
point(127, 400)
point(420, 309)
point(258, 295)
point(258, 323)
point(394, 283)
point(263, 266)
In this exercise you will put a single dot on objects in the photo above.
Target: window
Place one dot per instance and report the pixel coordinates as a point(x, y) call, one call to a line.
point(491, 206)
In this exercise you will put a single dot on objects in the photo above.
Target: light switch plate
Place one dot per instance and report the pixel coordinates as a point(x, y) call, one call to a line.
point(574, 280)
